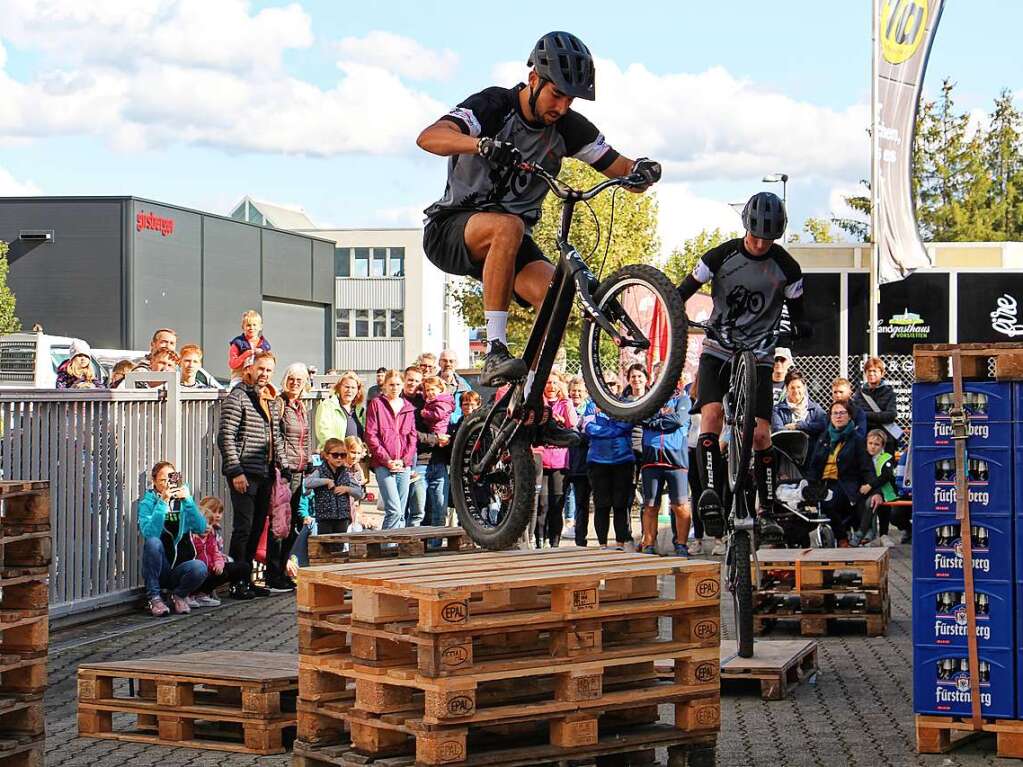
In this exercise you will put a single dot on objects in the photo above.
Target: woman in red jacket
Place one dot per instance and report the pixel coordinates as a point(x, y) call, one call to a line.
point(391, 439)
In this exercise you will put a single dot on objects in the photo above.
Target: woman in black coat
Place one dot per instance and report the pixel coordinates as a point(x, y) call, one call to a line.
point(877, 400)
point(840, 460)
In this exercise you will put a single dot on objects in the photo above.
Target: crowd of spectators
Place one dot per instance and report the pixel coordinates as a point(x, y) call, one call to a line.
point(284, 484)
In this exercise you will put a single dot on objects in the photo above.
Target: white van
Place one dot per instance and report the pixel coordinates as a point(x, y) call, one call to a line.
point(30, 361)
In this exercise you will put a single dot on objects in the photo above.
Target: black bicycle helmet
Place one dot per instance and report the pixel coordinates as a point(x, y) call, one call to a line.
point(764, 216)
point(563, 59)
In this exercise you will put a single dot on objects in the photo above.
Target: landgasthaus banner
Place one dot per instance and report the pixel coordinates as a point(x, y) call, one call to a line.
point(905, 31)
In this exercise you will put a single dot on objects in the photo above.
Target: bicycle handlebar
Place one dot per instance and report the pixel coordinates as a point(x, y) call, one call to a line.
point(566, 192)
point(723, 335)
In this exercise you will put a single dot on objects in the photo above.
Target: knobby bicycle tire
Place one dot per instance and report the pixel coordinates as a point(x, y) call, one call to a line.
point(742, 591)
point(661, 389)
point(518, 466)
point(740, 446)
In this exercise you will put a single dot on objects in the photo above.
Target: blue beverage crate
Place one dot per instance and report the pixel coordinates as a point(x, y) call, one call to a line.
point(991, 563)
point(941, 626)
point(983, 433)
point(934, 495)
point(929, 400)
point(948, 694)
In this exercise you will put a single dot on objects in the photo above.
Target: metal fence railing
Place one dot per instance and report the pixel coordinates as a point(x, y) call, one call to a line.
point(96, 448)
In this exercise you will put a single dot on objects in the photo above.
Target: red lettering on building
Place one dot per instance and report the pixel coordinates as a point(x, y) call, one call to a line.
point(144, 220)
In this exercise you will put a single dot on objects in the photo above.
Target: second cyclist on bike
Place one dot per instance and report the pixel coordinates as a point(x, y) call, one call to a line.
point(481, 226)
point(752, 278)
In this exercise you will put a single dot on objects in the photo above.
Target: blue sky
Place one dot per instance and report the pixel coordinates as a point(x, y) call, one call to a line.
point(316, 104)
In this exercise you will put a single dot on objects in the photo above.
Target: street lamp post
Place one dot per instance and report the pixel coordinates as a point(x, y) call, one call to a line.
point(774, 178)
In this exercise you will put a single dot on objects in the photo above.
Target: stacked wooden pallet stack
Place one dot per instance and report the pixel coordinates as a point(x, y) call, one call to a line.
point(337, 548)
point(508, 658)
point(25, 552)
point(815, 586)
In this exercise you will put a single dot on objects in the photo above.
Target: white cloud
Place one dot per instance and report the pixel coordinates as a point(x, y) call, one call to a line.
point(405, 216)
point(714, 126)
point(399, 54)
point(156, 84)
point(11, 187)
point(682, 214)
point(837, 205)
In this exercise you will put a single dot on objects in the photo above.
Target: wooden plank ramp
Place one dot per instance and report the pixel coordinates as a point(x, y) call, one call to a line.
point(244, 700)
point(778, 665)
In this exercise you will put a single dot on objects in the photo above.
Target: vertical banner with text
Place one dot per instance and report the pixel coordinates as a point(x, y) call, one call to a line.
point(905, 31)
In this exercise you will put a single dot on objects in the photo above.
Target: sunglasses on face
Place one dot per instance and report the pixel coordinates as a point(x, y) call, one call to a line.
point(338, 455)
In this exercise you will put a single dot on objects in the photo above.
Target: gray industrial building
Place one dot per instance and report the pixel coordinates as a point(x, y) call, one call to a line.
point(111, 270)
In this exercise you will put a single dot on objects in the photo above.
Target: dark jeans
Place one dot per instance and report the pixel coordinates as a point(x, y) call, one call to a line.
point(233, 572)
point(581, 489)
point(157, 573)
point(613, 488)
point(329, 526)
point(844, 514)
point(250, 510)
point(551, 507)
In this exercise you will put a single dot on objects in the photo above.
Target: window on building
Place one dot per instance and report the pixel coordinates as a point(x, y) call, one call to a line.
point(397, 323)
point(238, 214)
point(342, 262)
point(397, 263)
point(379, 266)
point(343, 327)
point(361, 268)
point(362, 323)
point(255, 217)
point(380, 323)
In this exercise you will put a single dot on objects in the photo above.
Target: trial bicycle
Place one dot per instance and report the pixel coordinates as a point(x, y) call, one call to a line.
point(636, 314)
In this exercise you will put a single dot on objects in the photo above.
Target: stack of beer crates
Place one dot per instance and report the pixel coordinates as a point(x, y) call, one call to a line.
point(508, 658)
point(941, 670)
point(25, 552)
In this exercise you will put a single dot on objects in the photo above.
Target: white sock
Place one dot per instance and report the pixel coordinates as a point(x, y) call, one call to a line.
point(497, 327)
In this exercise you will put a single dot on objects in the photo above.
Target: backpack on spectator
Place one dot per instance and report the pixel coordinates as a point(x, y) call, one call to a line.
point(280, 507)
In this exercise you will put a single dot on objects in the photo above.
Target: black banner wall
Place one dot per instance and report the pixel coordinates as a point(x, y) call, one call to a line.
point(823, 304)
point(990, 306)
point(913, 311)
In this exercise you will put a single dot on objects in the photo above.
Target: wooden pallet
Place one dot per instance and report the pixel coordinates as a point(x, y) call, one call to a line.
point(824, 569)
point(398, 735)
point(769, 602)
point(494, 590)
point(779, 666)
point(816, 624)
point(24, 631)
point(247, 697)
point(636, 746)
point(387, 544)
point(23, 673)
point(930, 361)
point(25, 545)
point(22, 750)
point(938, 734)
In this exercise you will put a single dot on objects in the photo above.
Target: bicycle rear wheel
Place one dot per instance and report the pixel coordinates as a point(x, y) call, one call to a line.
point(743, 397)
point(741, 581)
point(646, 310)
point(495, 507)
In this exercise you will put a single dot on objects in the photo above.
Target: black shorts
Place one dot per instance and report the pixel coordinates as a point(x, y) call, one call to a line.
point(444, 245)
point(712, 382)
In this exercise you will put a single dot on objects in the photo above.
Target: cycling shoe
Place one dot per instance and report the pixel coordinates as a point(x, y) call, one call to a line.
point(770, 531)
point(713, 516)
point(500, 366)
point(555, 435)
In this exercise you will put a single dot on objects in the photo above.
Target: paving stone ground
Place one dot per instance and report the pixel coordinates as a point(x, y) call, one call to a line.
point(858, 712)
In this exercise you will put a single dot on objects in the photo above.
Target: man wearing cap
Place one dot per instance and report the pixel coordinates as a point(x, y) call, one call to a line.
point(782, 363)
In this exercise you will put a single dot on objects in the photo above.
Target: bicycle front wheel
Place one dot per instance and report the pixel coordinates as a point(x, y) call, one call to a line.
point(742, 591)
point(645, 309)
point(743, 397)
point(495, 506)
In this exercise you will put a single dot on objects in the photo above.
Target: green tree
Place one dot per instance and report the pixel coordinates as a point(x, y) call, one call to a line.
point(633, 240)
point(9, 323)
point(858, 229)
point(683, 260)
point(1003, 161)
point(819, 230)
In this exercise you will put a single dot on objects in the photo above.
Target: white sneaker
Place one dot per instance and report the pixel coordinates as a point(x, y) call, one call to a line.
point(719, 548)
point(192, 601)
point(207, 600)
point(696, 546)
point(887, 541)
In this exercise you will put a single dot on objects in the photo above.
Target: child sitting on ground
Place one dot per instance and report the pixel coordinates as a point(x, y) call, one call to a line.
point(209, 548)
point(334, 486)
point(880, 490)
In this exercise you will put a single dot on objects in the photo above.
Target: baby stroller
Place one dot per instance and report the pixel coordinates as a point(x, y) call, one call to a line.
point(797, 501)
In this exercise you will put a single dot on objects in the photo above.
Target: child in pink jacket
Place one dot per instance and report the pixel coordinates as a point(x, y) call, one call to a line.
point(554, 463)
point(437, 410)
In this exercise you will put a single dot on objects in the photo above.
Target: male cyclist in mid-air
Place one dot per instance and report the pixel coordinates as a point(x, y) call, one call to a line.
point(481, 230)
point(752, 278)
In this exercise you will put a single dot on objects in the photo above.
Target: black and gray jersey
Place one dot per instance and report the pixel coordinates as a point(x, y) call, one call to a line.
point(495, 112)
point(749, 292)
